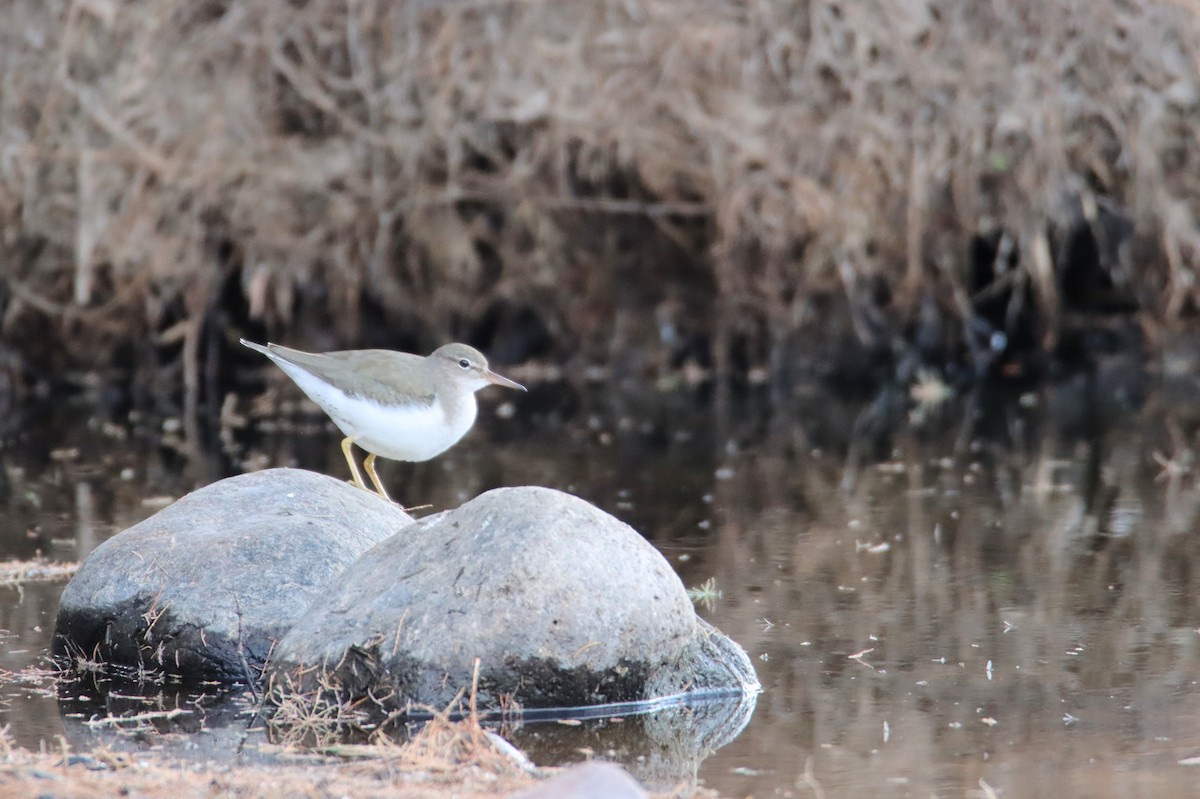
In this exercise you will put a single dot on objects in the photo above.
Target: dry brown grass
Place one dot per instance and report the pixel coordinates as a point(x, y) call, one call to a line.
point(759, 174)
point(443, 746)
point(319, 717)
point(326, 717)
point(153, 776)
point(19, 572)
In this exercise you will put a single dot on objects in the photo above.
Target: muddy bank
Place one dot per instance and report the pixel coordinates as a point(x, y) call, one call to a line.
point(455, 760)
point(782, 190)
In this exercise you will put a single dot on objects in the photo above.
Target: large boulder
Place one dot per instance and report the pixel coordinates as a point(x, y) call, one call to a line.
point(562, 604)
point(205, 587)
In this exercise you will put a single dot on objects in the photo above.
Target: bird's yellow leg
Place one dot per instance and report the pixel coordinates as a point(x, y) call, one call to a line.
point(346, 444)
point(369, 465)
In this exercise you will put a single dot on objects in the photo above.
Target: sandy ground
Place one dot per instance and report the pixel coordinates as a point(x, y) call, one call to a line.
point(33, 774)
point(446, 759)
point(25, 773)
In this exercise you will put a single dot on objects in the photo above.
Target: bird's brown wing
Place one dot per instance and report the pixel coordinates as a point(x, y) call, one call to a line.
point(395, 378)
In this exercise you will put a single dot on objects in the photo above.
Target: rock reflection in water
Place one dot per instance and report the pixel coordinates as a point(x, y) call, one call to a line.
point(662, 750)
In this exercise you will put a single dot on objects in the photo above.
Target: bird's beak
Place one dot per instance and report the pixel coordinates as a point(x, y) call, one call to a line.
point(500, 380)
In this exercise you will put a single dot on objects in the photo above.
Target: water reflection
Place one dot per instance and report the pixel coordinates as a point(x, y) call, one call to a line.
point(1005, 597)
point(999, 590)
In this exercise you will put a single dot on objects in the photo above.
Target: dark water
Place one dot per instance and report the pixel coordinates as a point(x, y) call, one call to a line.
point(1002, 594)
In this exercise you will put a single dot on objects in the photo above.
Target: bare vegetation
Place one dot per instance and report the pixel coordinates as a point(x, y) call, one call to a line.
point(105, 772)
point(794, 170)
point(19, 572)
point(319, 717)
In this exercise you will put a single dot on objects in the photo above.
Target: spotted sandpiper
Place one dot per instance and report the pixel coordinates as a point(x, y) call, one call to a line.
point(396, 405)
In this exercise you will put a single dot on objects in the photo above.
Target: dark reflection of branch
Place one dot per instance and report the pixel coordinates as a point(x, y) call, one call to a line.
point(871, 435)
point(85, 519)
point(970, 417)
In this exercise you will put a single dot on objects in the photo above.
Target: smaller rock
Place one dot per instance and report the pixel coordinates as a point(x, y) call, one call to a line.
point(592, 780)
point(205, 587)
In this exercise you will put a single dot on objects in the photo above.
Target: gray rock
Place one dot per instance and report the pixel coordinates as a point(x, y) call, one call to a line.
point(593, 780)
point(715, 665)
point(205, 587)
point(563, 604)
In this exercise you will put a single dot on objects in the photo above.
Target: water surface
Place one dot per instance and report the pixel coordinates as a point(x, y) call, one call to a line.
point(994, 595)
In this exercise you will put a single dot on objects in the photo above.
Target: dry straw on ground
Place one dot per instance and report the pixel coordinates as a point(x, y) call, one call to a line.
point(759, 174)
point(108, 773)
point(19, 572)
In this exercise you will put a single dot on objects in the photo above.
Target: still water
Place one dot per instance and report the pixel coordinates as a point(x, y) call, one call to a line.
point(995, 595)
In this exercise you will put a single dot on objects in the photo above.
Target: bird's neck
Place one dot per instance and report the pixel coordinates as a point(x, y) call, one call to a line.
point(459, 408)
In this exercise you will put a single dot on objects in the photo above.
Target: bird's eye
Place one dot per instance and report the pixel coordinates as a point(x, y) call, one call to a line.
point(464, 363)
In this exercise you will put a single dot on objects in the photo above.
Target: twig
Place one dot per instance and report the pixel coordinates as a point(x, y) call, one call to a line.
point(112, 721)
point(237, 603)
point(810, 781)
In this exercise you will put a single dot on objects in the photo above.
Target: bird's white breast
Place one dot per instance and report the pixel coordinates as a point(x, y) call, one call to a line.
point(414, 432)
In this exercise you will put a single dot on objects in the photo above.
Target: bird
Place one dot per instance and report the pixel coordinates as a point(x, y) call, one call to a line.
point(394, 405)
